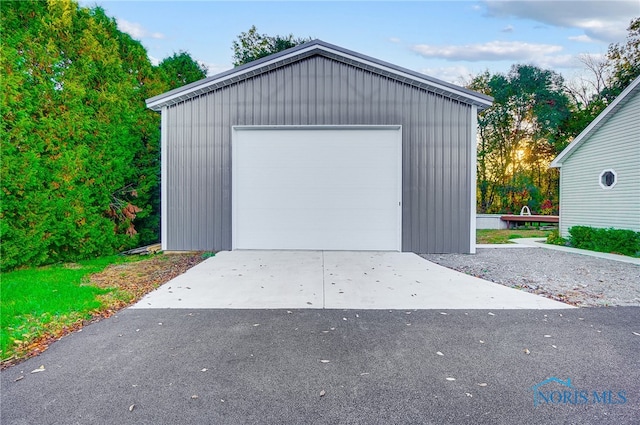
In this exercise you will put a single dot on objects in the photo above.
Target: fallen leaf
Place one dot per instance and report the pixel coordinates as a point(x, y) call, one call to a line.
point(636, 333)
point(491, 314)
point(554, 346)
point(40, 369)
point(322, 393)
point(481, 342)
point(193, 397)
point(333, 329)
point(344, 318)
point(19, 378)
point(526, 351)
point(547, 336)
point(289, 312)
point(483, 384)
point(256, 324)
point(325, 361)
point(468, 394)
point(451, 379)
point(131, 407)
point(357, 315)
point(439, 353)
point(204, 370)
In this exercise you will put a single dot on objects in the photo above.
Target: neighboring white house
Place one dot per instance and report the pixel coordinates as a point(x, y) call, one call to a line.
point(600, 169)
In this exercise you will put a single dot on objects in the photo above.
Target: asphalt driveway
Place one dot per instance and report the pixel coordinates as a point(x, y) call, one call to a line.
point(172, 366)
point(334, 279)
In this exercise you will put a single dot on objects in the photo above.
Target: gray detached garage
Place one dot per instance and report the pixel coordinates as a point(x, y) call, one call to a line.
point(318, 147)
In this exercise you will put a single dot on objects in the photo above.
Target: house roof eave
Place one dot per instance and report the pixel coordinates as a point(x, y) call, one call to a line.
point(598, 122)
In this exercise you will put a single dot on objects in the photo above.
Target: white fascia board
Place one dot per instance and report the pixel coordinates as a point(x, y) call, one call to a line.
point(593, 126)
point(474, 182)
point(156, 104)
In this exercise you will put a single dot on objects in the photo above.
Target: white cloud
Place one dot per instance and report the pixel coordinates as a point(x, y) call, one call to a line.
point(394, 40)
point(508, 28)
point(136, 30)
point(601, 20)
point(154, 61)
point(215, 68)
point(492, 50)
point(558, 61)
point(582, 38)
point(453, 74)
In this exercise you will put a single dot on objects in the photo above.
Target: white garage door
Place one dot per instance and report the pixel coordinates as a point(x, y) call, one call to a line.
point(325, 188)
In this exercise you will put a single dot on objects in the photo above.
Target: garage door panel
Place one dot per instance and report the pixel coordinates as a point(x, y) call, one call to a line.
point(274, 178)
point(317, 189)
point(342, 198)
point(298, 219)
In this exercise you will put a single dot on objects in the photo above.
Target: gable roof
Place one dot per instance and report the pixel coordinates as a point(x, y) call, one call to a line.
point(598, 122)
point(312, 48)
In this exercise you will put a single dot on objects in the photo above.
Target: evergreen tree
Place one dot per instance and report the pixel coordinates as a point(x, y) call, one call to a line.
point(80, 154)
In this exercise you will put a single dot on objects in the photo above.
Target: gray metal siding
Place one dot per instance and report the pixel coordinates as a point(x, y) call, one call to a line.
point(437, 162)
point(615, 145)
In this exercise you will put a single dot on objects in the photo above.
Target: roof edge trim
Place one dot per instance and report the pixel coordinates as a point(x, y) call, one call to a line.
point(190, 90)
point(594, 125)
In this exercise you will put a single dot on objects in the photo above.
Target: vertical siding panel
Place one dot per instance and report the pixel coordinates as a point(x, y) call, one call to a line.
point(210, 174)
point(304, 93)
point(216, 214)
point(422, 163)
point(416, 173)
point(454, 231)
point(446, 182)
point(227, 119)
point(431, 175)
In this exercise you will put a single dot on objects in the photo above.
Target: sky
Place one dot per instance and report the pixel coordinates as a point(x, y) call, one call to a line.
point(450, 40)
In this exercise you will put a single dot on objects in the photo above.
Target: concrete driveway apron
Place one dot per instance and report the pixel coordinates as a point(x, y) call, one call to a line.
point(334, 280)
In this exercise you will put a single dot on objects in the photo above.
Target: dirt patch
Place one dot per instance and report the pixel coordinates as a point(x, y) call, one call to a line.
point(139, 278)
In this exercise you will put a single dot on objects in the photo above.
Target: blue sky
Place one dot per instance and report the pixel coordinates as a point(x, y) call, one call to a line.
point(445, 39)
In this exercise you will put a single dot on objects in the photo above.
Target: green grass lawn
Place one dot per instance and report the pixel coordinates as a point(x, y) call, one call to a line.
point(492, 236)
point(45, 299)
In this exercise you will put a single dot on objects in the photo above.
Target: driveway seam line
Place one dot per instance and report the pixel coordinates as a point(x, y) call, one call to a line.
point(323, 288)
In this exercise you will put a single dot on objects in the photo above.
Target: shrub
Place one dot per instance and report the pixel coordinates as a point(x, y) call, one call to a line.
point(554, 238)
point(617, 241)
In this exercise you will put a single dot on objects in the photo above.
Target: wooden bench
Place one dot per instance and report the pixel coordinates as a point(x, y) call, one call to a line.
point(515, 219)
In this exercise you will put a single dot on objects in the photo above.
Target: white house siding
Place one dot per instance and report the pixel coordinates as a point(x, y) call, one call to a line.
point(615, 145)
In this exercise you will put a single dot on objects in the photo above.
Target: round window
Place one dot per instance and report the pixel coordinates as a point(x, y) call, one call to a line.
point(608, 179)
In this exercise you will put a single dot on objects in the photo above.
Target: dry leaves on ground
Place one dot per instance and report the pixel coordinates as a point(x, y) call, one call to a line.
point(129, 281)
point(139, 278)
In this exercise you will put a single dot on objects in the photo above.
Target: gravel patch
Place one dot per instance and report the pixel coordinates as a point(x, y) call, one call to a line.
point(571, 278)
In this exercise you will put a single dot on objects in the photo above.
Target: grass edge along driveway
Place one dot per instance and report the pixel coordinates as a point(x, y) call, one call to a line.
point(40, 305)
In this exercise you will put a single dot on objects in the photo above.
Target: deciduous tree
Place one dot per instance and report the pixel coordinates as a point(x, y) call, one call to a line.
point(251, 45)
point(180, 69)
point(519, 136)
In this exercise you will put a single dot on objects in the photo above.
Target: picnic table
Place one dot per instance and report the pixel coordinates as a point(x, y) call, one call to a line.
point(513, 219)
